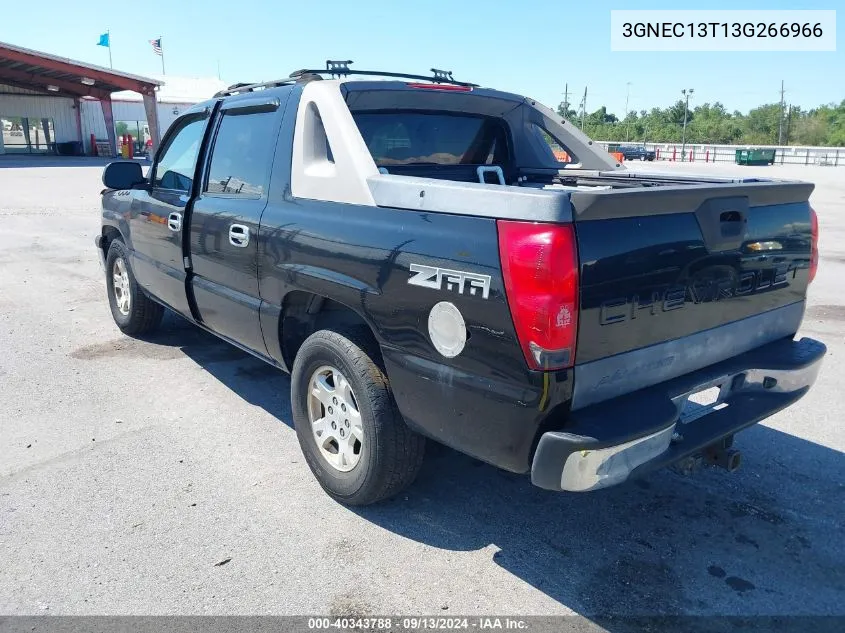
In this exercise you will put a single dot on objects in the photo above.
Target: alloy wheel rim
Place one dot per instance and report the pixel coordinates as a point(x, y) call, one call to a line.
point(120, 283)
point(335, 418)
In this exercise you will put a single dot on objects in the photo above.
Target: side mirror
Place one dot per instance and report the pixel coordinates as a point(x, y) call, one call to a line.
point(122, 175)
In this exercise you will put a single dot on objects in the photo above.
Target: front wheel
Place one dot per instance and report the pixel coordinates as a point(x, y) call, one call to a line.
point(132, 311)
point(349, 428)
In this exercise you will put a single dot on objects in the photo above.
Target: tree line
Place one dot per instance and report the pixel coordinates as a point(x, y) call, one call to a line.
point(712, 123)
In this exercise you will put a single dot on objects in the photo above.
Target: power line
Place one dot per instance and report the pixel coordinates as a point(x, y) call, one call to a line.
point(780, 119)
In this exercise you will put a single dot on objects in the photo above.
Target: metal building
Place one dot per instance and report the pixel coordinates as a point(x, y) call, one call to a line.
point(173, 97)
point(42, 97)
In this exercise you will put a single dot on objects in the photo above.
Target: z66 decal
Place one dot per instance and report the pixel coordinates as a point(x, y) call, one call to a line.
point(454, 280)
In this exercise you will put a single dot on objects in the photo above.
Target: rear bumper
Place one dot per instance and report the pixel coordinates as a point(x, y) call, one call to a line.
point(607, 443)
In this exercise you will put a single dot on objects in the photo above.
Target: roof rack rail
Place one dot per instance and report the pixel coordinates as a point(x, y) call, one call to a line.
point(340, 68)
point(241, 88)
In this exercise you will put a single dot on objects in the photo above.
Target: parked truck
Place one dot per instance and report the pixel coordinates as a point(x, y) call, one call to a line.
point(433, 260)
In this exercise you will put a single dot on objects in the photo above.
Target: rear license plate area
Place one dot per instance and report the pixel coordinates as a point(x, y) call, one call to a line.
point(701, 403)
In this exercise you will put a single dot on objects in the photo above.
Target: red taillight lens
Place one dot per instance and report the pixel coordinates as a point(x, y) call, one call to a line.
point(540, 269)
point(814, 252)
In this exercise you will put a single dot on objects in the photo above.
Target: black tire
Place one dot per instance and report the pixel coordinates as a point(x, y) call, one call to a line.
point(391, 453)
point(144, 314)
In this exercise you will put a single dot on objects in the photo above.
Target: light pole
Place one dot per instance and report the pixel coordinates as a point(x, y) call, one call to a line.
point(687, 92)
point(627, 123)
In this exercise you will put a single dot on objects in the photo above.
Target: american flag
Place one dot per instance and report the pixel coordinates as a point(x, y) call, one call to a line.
point(156, 46)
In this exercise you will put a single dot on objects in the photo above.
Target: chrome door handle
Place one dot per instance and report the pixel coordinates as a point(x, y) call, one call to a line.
point(239, 235)
point(174, 222)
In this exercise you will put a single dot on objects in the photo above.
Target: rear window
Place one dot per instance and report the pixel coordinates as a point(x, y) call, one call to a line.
point(415, 138)
point(556, 152)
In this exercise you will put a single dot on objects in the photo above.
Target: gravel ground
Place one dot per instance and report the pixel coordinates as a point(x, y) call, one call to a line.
point(163, 477)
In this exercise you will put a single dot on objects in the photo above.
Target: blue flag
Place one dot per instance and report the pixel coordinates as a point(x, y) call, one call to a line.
point(104, 40)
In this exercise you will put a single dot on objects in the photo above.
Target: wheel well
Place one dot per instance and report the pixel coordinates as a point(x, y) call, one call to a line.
point(109, 235)
point(303, 313)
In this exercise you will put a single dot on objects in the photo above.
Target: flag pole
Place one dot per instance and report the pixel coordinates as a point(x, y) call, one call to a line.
point(108, 36)
point(162, 54)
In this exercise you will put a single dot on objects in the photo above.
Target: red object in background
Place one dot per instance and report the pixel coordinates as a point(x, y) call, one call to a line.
point(447, 87)
point(131, 142)
point(707, 156)
point(93, 145)
point(674, 151)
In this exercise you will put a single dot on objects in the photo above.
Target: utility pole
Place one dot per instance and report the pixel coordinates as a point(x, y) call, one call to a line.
point(583, 108)
point(788, 124)
point(687, 92)
point(566, 101)
point(780, 120)
point(627, 124)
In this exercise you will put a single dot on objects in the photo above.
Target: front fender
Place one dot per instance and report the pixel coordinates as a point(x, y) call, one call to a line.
point(116, 211)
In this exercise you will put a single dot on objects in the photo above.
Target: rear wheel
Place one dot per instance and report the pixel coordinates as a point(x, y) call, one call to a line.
point(132, 311)
point(349, 428)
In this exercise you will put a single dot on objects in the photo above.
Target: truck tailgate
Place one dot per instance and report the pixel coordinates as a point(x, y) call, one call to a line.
point(673, 279)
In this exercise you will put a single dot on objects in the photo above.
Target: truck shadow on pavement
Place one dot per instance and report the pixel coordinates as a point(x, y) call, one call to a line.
point(765, 540)
point(250, 378)
point(761, 541)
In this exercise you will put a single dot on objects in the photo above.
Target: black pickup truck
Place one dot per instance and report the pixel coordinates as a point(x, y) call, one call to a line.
point(414, 253)
point(636, 152)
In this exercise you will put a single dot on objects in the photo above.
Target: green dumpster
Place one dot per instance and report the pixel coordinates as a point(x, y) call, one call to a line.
point(755, 156)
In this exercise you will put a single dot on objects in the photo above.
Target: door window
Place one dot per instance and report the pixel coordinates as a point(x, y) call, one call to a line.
point(242, 152)
point(176, 165)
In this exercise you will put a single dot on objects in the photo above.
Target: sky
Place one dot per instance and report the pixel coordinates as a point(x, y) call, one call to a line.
point(533, 47)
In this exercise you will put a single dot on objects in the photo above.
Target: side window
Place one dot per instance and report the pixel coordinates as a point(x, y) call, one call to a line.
point(242, 152)
point(557, 152)
point(175, 168)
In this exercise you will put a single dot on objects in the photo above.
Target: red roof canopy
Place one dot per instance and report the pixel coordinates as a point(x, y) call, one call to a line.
point(33, 70)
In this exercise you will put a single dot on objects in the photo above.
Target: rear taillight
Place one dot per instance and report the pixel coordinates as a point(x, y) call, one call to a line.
point(540, 269)
point(814, 248)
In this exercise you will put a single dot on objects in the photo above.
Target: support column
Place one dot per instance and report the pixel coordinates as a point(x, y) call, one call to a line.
point(78, 106)
point(108, 116)
point(26, 136)
point(151, 108)
point(45, 125)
